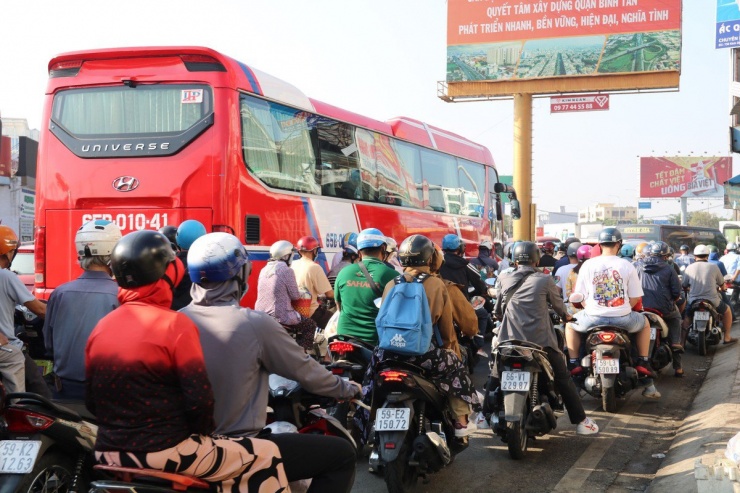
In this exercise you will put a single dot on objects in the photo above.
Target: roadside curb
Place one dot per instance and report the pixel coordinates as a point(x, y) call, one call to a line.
point(714, 418)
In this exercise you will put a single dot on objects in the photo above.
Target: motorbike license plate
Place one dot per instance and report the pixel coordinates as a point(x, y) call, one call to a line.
point(18, 456)
point(515, 381)
point(392, 419)
point(653, 333)
point(607, 366)
point(701, 315)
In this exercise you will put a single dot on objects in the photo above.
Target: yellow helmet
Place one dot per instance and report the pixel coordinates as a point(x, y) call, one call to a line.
point(640, 249)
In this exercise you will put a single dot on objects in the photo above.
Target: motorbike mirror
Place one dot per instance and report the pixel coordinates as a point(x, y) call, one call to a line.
point(516, 211)
point(576, 298)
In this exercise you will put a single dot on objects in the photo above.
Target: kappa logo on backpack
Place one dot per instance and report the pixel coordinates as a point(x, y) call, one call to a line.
point(404, 322)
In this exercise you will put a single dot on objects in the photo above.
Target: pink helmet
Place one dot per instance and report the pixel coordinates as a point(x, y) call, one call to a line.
point(584, 252)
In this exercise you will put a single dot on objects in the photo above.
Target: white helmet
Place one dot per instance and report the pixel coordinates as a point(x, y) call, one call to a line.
point(390, 245)
point(280, 249)
point(487, 244)
point(701, 250)
point(97, 238)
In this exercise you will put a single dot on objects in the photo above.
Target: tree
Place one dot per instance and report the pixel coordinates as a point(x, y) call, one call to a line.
point(703, 218)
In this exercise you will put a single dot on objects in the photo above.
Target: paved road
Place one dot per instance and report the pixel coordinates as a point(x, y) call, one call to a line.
point(619, 459)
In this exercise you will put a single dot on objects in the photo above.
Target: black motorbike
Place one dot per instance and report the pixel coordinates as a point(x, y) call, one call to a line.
point(45, 445)
point(705, 327)
point(414, 427)
point(525, 402)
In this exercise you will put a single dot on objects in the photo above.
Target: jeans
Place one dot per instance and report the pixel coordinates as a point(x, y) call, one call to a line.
point(328, 461)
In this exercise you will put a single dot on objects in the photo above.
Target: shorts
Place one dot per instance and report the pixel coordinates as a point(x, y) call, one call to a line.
point(633, 322)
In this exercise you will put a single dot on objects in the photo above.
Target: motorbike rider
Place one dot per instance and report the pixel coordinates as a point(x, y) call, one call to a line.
point(565, 260)
point(170, 232)
point(731, 261)
point(547, 260)
point(241, 347)
point(561, 250)
point(187, 233)
point(561, 276)
point(75, 307)
point(17, 368)
point(611, 289)
point(148, 386)
point(310, 276)
point(526, 318)
point(391, 255)
point(277, 288)
point(484, 262)
point(640, 251)
point(349, 255)
point(662, 290)
point(342, 245)
point(704, 281)
point(627, 252)
point(355, 293)
point(684, 259)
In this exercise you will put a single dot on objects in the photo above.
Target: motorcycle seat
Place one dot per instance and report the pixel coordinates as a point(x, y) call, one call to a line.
point(179, 482)
point(517, 342)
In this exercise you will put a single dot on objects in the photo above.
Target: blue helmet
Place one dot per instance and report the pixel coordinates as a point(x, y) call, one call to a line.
point(349, 243)
point(217, 257)
point(188, 232)
point(451, 242)
point(370, 238)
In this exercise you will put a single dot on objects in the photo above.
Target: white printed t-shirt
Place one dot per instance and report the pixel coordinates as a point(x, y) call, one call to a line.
point(608, 283)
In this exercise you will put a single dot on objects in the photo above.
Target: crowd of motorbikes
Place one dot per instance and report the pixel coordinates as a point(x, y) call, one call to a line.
point(49, 445)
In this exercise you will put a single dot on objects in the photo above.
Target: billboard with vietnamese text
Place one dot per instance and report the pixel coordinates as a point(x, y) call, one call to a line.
point(684, 176)
point(727, 34)
point(538, 39)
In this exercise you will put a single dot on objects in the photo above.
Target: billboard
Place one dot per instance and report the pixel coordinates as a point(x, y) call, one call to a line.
point(684, 176)
point(727, 34)
point(532, 40)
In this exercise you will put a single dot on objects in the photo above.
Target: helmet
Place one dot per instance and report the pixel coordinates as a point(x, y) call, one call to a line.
point(658, 249)
point(451, 243)
point(573, 248)
point(610, 235)
point(415, 250)
point(627, 251)
point(188, 232)
point(390, 245)
point(370, 238)
point(350, 246)
point(8, 240)
point(141, 258)
point(218, 257)
point(97, 238)
point(640, 249)
point(686, 247)
point(701, 250)
point(280, 249)
point(486, 244)
point(307, 244)
point(526, 252)
point(171, 233)
point(562, 247)
point(731, 246)
point(548, 247)
point(584, 252)
point(571, 239)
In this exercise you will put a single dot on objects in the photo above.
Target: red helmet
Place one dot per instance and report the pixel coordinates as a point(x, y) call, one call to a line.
point(307, 244)
point(548, 247)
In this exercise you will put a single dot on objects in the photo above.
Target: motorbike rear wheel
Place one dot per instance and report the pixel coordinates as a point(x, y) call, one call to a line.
point(516, 438)
point(701, 343)
point(399, 476)
point(53, 473)
point(609, 399)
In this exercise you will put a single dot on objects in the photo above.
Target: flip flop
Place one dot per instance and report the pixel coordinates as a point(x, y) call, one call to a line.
point(678, 373)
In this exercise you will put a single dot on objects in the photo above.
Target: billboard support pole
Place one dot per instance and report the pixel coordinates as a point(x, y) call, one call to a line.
point(684, 210)
point(524, 227)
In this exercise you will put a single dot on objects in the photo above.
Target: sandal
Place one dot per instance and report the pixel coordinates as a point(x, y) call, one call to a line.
point(731, 341)
point(678, 373)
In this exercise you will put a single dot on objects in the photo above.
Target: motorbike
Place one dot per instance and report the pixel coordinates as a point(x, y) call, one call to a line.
point(705, 327)
point(525, 402)
point(413, 426)
point(44, 445)
point(350, 358)
point(661, 354)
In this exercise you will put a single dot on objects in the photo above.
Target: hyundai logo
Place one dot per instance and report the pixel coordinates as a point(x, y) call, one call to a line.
point(125, 183)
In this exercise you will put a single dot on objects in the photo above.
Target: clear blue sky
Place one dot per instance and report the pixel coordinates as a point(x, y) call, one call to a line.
point(383, 58)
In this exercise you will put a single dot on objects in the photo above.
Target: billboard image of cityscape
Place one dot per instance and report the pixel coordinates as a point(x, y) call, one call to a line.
point(560, 56)
point(493, 61)
point(642, 52)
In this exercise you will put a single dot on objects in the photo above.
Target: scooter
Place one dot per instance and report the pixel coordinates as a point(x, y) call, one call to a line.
point(44, 446)
point(661, 354)
point(525, 402)
point(414, 427)
point(704, 329)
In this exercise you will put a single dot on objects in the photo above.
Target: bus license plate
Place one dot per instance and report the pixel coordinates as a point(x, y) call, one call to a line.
point(701, 315)
point(607, 366)
point(18, 456)
point(515, 381)
point(392, 419)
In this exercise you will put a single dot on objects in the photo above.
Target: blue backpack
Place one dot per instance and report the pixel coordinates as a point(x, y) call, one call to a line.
point(404, 322)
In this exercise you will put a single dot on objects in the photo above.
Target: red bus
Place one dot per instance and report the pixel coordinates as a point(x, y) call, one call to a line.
point(154, 136)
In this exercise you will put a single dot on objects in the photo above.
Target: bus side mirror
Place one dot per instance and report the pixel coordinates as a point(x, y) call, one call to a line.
point(516, 211)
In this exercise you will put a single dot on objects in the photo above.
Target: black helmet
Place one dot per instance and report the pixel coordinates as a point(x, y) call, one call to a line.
point(573, 248)
point(526, 252)
point(571, 239)
point(658, 249)
point(141, 258)
point(415, 250)
point(684, 247)
point(170, 233)
point(610, 235)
